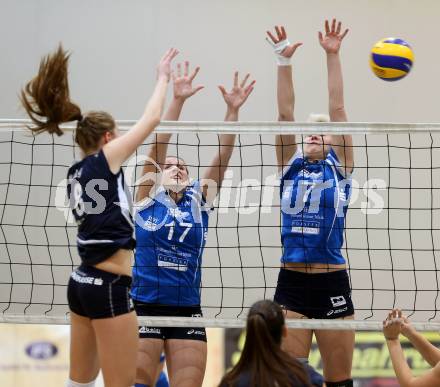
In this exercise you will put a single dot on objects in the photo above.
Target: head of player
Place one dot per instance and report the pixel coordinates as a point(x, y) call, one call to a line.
point(175, 174)
point(262, 361)
point(317, 146)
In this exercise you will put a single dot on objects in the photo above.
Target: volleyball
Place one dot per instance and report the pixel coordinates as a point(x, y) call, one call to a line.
point(391, 59)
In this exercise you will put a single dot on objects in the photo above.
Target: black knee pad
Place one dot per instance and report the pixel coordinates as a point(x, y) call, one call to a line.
point(343, 383)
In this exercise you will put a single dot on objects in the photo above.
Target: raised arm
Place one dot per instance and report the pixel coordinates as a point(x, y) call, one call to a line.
point(121, 148)
point(213, 177)
point(331, 43)
point(182, 90)
point(429, 352)
point(285, 145)
point(392, 327)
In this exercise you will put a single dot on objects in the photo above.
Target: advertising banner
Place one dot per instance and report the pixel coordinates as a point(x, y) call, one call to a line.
point(371, 361)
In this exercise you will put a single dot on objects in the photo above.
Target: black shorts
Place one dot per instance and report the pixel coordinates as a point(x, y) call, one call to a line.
point(164, 333)
point(321, 295)
point(95, 293)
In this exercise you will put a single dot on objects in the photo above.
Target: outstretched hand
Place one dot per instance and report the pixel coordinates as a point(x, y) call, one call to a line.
point(239, 92)
point(164, 66)
point(183, 87)
point(331, 41)
point(287, 49)
point(392, 324)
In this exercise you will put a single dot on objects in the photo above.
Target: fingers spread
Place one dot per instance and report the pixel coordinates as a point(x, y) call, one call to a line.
point(194, 73)
point(197, 89)
point(273, 38)
point(278, 31)
point(236, 79)
point(249, 89)
point(222, 89)
point(345, 33)
point(244, 80)
point(283, 33)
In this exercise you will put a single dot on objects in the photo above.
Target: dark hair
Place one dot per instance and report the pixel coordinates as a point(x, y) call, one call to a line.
point(262, 357)
point(46, 99)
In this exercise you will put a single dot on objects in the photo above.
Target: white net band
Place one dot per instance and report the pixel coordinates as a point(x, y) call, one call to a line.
point(261, 127)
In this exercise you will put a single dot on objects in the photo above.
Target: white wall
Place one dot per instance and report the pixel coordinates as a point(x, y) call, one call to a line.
point(116, 44)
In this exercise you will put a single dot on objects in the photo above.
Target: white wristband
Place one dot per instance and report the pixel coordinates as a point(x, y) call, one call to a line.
point(278, 48)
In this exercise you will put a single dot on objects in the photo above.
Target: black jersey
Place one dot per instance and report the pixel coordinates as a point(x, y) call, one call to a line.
point(102, 206)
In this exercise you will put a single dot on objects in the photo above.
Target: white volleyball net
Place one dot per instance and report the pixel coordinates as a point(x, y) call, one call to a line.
point(392, 233)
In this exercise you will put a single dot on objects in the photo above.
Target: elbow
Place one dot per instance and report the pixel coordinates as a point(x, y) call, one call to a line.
point(337, 109)
point(408, 383)
point(285, 116)
point(337, 113)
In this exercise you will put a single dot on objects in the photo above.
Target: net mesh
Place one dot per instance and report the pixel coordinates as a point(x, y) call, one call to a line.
point(392, 235)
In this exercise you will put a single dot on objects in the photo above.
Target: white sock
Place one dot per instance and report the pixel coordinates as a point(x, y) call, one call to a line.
point(71, 383)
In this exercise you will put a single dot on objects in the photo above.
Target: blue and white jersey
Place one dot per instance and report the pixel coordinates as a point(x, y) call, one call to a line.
point(314, 202)
point(101, 205)
point(170, 241)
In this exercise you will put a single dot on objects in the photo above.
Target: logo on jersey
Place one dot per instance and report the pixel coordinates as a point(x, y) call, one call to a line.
point(151, 224)
point(338, 301)
point(178, 214)
point(174, 263)
point(310, 175)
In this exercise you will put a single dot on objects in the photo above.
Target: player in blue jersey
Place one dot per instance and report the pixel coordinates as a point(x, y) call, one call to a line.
point(171, 231)
point(315, 189)
point(103, 323)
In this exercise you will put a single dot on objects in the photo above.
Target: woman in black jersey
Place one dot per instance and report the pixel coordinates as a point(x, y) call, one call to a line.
point(103, 324)
point(263, 363)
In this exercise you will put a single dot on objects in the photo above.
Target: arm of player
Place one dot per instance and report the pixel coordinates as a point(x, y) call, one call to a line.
point(182, 90)
point(285, 145)
point(391, 329)
point(213, 177)
point(429, 352)
point(120, 149)
point(331, 43)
